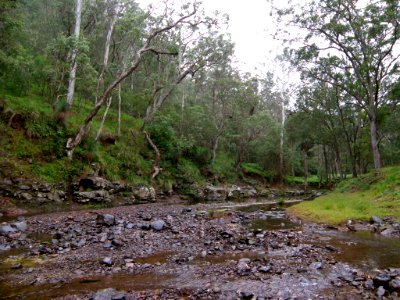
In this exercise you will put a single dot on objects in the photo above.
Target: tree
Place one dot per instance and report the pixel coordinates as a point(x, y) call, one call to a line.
point(74, 55)
point(351, 46)
point(161, 26)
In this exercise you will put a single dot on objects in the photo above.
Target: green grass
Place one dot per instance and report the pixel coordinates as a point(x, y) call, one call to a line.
point(359, 198)
point(298, 180)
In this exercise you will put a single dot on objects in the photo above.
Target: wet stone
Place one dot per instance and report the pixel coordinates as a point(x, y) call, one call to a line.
point(107, 261)
point(109, 294)
point(245, 295)
point(21, 226)
point(107, 245)
point(381, 280)
point(375, 219)
point(380, 292)
point(264, 269)
point(369, 284)
point(105, 219)
point(7, 229)
point(158, 225)
point(316, 265)
point(395, 284)
point(24, 187)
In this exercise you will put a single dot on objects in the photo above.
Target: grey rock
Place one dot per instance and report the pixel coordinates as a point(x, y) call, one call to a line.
point(7, 229)
point(95, 183)
point(107, 245)
point(105, 219)
point(20, 226)
point(45, 187)
point(380, 292)
point(145, 193)
point(388, 232)
point(376, 219)
point(158, 225)
point(109, 294)
point(316, 265)
point(26, 196)
point(107, 261)
point(24, 187)
point(242, 266)
point(369, 284)
point(381, 280)
point(129, 226)
point(117, 243)
point(4, 247)
point(81, 243)
point(394, 284)
point(93, 196)
point(246, 295)
point(264, 269)
point(212, 193)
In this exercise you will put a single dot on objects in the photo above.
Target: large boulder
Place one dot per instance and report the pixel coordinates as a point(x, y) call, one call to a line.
point(144, 193)
point(212, 193)
point(105, 219)
point(93, 196)
point(94, 183)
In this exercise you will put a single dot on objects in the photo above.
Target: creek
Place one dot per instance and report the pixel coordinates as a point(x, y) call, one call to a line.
point(172, 267)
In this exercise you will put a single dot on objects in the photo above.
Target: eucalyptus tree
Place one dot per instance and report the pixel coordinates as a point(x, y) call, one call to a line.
point(158, 28)
point(352, 45)
point(74, 54)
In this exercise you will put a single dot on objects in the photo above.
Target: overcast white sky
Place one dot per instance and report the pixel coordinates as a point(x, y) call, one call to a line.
point(251, 27)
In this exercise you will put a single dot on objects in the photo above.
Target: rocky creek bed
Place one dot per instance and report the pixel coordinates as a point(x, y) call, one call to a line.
point(203, 251)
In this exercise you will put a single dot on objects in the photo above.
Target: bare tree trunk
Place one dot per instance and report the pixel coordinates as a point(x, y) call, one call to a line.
point(119, 110)
point(215, 148)
point(281, 143)
point(374, 143)
point(103, 119)
point(305, 165)
point(72, 143)
point(114, 14)
point(74, 56)
point(156, 166)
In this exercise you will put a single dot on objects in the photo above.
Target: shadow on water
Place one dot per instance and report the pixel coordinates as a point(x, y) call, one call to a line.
point(364, 249)
point(138, 282)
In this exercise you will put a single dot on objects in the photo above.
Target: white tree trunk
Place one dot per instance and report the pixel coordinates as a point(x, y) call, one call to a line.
point(282, 139)
point(100, 82)
point(104, 118)
point(74, 56)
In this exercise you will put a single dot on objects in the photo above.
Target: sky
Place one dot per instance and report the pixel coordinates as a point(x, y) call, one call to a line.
point(251, 27)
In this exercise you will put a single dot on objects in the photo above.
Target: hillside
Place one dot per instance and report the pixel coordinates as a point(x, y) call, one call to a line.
point(34, 135)
point(356, 199)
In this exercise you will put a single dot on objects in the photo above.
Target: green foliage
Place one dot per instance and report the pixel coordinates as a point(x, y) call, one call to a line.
point(224, 168)
point(253, 168)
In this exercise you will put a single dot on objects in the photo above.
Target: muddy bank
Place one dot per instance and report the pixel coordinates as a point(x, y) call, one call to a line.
point(156, 251)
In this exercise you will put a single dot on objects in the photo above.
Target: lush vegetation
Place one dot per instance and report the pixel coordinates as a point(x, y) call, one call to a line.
point(175, 109)
point(372, 194)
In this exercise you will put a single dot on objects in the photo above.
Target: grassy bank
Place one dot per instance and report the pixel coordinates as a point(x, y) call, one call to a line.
point(357, 198)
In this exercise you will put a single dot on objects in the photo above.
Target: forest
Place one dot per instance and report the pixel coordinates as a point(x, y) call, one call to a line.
point(113, 72)
point(111, 102)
